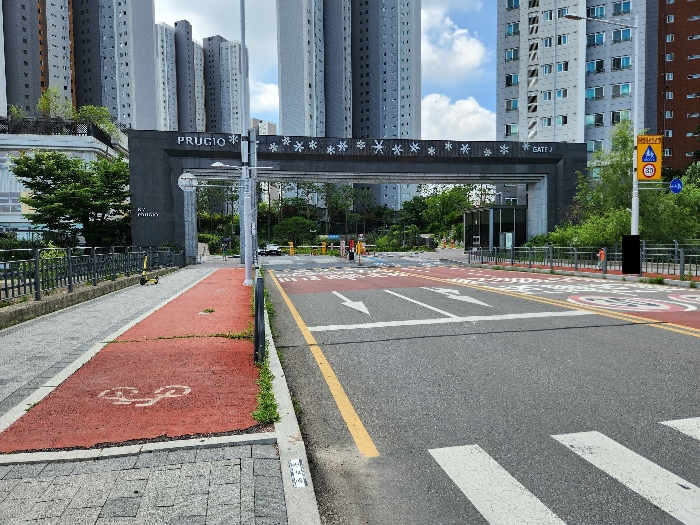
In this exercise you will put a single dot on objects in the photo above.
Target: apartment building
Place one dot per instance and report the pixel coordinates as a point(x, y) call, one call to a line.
point(678, 115)
point(564, 80)
point(166, 79)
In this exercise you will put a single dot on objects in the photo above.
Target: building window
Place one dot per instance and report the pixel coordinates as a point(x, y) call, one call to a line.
point(668, 133)
point(546, 95)
point(669, 95)
point(512, 54)
point(595, 39)
point(562, 66)
point(622, 35)
point(512, 80)
point(511, 130)
point(512, 104)
point(623, 62)
point(562, 93)
point(668, 113)
point(547, 69)
point(513, 29)
point(622, 8)
point(670, 37)
point(691, 115)
point(621, 90)
point(595, 66)
point(547, 42)
point(670, 18)
point(619, 116)
point(669, 57)
point(562, 120)
point(593, 120)
point(597, 11)
point(693, 57)
point(547, 15)
point(668, 152)
point(594, 145)
point(546, 122)
point(595, 93)
point(562, 40)
point(669, 76)
point(512, 4)
point(562, 12)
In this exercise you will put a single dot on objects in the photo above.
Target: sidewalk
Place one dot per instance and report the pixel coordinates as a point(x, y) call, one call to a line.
point(152, 424)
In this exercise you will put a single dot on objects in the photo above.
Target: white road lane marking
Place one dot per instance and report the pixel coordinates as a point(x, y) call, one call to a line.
point(689, 427)
point(356, 305)
point(420, 304)
point(670, 493)
point(454, 294)
point(449, 320)
point(497, 495)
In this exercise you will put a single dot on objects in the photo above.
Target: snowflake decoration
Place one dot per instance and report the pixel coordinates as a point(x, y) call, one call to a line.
point(431, 151)
point(298, 147)
point(526, 146)
point(398, 150)
point(286, 141)
point(487, 152)
point(330, 150)
point(504, 149)
point(465, 149)
point(448, 146)
point(313, 144)
point(378, 147)
point(415, 147)
point(233, 139)
point(273, 148)
point(342, 146)
point(360, 144)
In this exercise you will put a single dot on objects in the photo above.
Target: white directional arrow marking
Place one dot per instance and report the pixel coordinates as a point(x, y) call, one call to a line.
point(454, 294)
point(357, 305)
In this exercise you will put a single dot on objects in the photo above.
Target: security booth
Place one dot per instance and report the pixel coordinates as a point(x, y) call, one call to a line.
point(501, 227)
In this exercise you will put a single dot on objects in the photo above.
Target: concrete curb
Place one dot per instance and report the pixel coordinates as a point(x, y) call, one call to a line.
point(302, 507)
point(20, 312)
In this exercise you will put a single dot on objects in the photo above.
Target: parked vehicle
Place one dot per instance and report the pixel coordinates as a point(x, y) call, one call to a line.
point(270, 249)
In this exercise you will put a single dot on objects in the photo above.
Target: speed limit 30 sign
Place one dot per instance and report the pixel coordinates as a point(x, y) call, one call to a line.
point(649, 171)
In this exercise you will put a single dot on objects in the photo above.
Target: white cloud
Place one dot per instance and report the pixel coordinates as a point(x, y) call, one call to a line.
point(264, 98)
point(449, 54)
point(462, 5)
point(461, 120)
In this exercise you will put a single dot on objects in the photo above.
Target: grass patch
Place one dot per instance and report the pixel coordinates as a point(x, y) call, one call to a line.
point(693, 284)
point(655, 280)
point(266, 412)
point(208, 311)
point(497, 267)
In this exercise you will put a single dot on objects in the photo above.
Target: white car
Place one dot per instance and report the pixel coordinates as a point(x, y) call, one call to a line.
point(270, 249)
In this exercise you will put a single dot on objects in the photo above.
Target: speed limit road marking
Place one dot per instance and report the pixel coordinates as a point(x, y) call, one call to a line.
point(649, 171)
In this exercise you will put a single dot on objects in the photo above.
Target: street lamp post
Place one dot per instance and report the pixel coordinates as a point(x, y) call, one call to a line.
point(635, 110)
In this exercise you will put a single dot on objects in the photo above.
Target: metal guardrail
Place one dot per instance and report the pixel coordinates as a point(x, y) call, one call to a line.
point(664, 259)
point(26, 272)
point(53, 126)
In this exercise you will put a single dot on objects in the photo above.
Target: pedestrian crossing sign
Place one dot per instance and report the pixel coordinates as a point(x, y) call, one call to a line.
point(649, 157)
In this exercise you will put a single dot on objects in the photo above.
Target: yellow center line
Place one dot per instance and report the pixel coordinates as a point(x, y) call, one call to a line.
point(671, 327)
point(362, 439)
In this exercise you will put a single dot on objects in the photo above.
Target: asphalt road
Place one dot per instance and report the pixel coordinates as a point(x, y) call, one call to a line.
point(455, 395)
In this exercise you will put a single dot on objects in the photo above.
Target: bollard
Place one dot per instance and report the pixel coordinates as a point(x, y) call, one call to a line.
point(94, 266)
point(529, 258)
point(291, 248)
point(551, 258)
point(682, 255)
point(69, 254)
point(575, 259)
point(37, 277)
point(112, 267)
point(259, 329)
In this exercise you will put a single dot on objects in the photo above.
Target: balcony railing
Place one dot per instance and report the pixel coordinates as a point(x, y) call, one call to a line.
point(53, 126)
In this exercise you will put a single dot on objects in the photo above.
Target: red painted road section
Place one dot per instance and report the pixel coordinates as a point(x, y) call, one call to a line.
point(118, 396)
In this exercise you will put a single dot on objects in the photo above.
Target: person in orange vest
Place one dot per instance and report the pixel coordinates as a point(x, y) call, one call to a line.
point(601, 259)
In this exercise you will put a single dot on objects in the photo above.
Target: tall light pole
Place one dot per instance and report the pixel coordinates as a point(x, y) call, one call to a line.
point(246, 191)
point(635, 109)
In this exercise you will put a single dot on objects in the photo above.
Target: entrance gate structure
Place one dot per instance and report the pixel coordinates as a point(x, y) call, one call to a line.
point(158, 158)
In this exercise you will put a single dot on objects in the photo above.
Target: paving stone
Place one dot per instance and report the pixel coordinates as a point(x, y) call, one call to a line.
point(164, 498)
point(188, 520)
point(120, 508)
point(210, 454)
point(4, 469)
point(191, 470)
point(196, 485)
point(237, 452)
point(6, 485)
point(265, 452)
point(134, 474)
point(266, 520)
point(225, 495)
point(190, 505)
point(53, 470)
point(154, 515)
point(181, 456)
point(29, 489)
point(59, 491)
point(163, 478)
point(28, 470)
point(12, 509)
point(94, 491)
point(80, 516)
point(247, 492)
point(48, 509)
point(152, 459)
point(225, 472)
point(267, 468)
point(128, 489)
point(224, 515)
point(269, 501)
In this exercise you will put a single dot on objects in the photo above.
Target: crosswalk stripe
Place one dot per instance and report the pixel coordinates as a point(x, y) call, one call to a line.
point(664, 489)
point(689, 427)
point(497, 495)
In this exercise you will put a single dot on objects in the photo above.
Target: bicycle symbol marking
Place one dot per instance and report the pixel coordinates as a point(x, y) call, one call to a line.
point(126, 395)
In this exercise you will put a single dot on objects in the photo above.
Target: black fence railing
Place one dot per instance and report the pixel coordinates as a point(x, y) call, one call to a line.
point(53, 126)
point(27, 272)
point(665, 259)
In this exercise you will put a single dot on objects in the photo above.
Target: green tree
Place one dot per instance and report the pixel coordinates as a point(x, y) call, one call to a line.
point(16, 112)
point(444, 209)
point(72, 197)
point(295, 229)
point(52, 103)
point(100, 117)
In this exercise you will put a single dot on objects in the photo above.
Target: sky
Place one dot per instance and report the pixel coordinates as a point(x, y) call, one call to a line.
point(458, 58)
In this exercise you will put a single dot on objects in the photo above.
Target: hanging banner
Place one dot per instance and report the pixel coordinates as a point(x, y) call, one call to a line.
point(649, 152)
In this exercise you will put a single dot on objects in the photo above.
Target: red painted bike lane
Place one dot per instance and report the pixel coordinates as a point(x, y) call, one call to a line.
point(169, 376)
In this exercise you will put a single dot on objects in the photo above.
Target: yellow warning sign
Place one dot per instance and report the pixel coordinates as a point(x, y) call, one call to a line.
point(649, 152)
